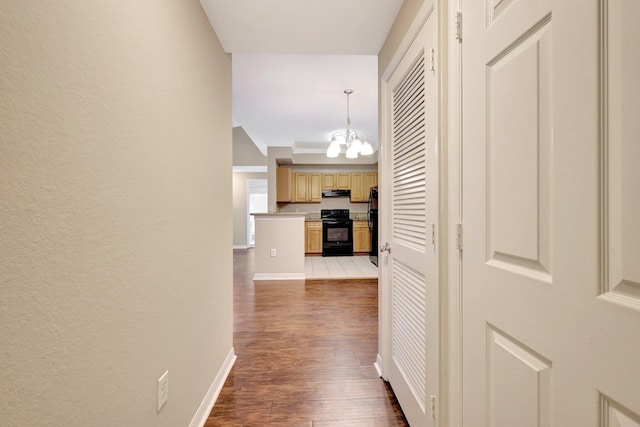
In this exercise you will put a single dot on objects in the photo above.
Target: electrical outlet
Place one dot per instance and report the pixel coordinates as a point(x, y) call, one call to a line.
point(163, 389)
point(273, 252)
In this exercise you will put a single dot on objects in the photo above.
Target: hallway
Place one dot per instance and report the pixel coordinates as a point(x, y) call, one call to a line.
point(305, 355)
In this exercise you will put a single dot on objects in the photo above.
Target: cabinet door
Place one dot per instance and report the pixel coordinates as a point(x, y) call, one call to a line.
point(283, 185)
point(300, 187)
point(313, 237)
point(343, 180)
point(357, 187)
point(314, 193)
point(361, 237)
point(329, 181)
point(370, 180)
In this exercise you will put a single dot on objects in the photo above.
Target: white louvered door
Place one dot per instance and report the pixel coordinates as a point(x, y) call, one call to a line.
point(412, 261)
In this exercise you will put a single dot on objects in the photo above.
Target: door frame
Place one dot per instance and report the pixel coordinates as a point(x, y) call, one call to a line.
point(451, 293)
point(249, 183)
point(449, 146)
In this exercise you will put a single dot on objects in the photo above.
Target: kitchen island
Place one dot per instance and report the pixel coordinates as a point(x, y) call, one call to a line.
point(279, 250)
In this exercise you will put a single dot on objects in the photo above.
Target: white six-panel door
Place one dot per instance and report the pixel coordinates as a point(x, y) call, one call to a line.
point(551, 213)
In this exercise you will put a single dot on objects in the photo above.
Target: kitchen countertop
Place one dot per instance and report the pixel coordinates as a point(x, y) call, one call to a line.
point(281, 214)
point(359, 216)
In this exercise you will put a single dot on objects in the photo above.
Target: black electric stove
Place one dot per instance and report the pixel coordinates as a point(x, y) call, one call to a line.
point(337, 232)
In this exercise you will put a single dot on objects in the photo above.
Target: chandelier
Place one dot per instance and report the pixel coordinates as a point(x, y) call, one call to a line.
point(349, 141)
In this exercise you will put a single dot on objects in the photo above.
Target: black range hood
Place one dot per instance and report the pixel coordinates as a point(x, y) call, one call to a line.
point(336, 193)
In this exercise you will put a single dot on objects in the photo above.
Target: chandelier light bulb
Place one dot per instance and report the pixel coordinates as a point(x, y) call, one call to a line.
point(357, 143)
point(334, 149)
point(352, 152)
point(367, 149)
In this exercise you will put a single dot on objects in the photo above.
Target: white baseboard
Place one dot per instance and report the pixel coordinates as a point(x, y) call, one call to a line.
point(378, 365)
point(214, 391)
point(279, 276)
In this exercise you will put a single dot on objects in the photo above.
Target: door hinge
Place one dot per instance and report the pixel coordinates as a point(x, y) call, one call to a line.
point(459, 237)
point(458, 26)
point(433, 234)
point(433, 407)
point(432, 60)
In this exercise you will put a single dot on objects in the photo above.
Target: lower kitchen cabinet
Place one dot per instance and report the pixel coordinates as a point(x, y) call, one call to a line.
point(361, 236)
point(313, 237)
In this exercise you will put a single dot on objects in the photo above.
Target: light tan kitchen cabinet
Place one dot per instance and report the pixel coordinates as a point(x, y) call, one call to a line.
point(361, 183)
point(313, 237)
point(329, 181)
point(315, 187)
point(361, 236)
point(343, 180)
point(283, 185)
point(300, 187)
point(370, 180)
point(357, 187)
point(307, 187)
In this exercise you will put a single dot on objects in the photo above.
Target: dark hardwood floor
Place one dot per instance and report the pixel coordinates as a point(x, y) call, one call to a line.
point(305, 355)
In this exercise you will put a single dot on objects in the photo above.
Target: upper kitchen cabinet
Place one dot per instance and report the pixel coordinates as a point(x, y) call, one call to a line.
point(336, 181)
point(307, 187)
point(357, 187)
point(343, 181)
point(370, 180)
point(329, 181)
point(283, 185)
point(361, 183)
point(315, 187)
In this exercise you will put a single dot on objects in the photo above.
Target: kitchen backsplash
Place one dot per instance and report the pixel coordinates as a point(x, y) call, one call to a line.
point(326, 203)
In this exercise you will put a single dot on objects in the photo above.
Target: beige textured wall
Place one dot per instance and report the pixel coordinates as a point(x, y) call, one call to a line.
point(285, 234)
point(245, 152)
point(115, 211)
point(405, 17)
point(273, 154)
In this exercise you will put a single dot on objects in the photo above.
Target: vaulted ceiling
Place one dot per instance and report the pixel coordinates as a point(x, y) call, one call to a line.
point(292, 60)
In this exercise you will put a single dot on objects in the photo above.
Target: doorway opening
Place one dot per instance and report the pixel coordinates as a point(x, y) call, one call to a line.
point(257, 202)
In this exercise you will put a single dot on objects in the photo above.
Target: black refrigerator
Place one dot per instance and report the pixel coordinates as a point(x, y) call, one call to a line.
point(372, 213)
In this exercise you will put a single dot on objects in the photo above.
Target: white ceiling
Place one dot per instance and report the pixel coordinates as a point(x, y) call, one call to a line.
point(292, 60)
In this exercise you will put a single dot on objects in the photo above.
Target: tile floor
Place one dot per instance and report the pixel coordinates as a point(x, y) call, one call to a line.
point(339, 267)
